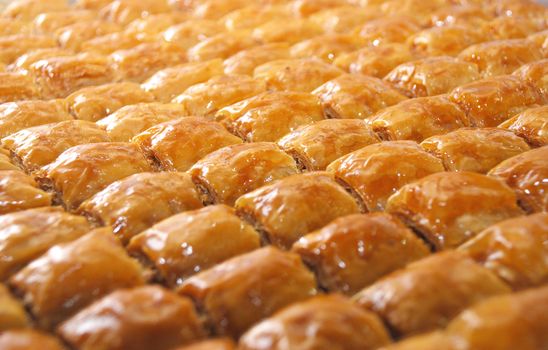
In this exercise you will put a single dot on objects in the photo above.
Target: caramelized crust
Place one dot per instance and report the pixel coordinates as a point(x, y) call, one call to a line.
point(222, 45)
point(137, 202)
point(188, 243)
point(535, 73)
point(12, 313)
point(131, 120)
point(151, 26)
point(428, 293)
point(271, 115)
point(28, 234)
point(343, 19)
point(514, 250)
point(474, 149)
point(245, 61)
point(191, 32)
point(326, 47)
point(19, 192)
point(355, 96)
point(17, 87)
point(232, 171)
point(512, 27)
point(468, 14)
point(450, 41)
point(170, 82)
point(334, 321)
point(28, 339)
point(83, 170)
point(123, 11)
point(212, 344)
point(353, 251)
point(432, 76)
point(49, 22)
point(13, 46)
point(289, 31)
point(305, 8)
point(316, 145)
point(26, 10)
point(22, 64)
point(526, 174)
point(377, 171)
point(394, 29)
point(96, 102)
point(253, 15)
point(531, 124)
point(449, 208)
point(139, 319)
point(296, 205)
point(5, 161)
point(35, 147)
point(176, 145)
point(72, 36)
point(243, 290)
point(490, 101)
point(109, 43)
point(430, 341)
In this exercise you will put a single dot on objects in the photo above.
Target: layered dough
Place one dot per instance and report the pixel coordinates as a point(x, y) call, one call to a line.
point(20, 339)
point(12, 313)
point(531, 124)
point(16, 87)
point(19, 191)
point(445, 41)
point(13, 46)
point(245, 61)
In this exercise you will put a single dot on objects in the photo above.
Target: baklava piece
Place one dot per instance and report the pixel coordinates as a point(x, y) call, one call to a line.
point(514, 250)
point(205, 99)
point(393, 29)
point(232, 171)
point(222, 45)
point(191, 32)
point(87, 269)
point(83, 170)
point(531, 124)
point(286, 30)
point(450, 41)
point(294, 206)
point(49, 22)
point(316, 145)
point(429, 341)
point(474, 149)
point(74, 35)
point(142, 318)
point(19, 191)
point(245, 61)
point(375, 172)
point(214, 9)
point(27, 10)
point(13, 46)
point(22, 64)
point(540, 39)
point(173, 81)
point(12, 313)
point(139, 63)
point(419, 10)
point(322, 323)
point(254, 15)
point(356, 96)
point(96, 102)
point(326, 47)
point(176, 145)
point(489, 102)
point(428, 293)
point(305, 8)
point(137, 202)
point(10, 26)
point(432, 76)
point(245, 289)
point(211, 344)
point(17, 87)
point(151, 26)
point(5, 161)
point(449, 208)
point(501, 57)
point(535, 73)
point(354, 251)
point(109, 43)
point(418, 118)
point(271, 115)
point(123, 11)
point(29, 339)
point(35, 147)
point(131, 120)
point(30, 233)
point(527, 174)
point(343, 19)
point(467, 14)
point(95, 5)
point(512, 27)
point(15, 116)
point(194, 241)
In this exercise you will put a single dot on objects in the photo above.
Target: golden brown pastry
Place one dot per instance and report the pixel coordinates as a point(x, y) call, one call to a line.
point(20, 115)
point(501, 57)
point(49, 22)
point(176, 145)
point(9, 26)
point(376, 61)
point(26, 10)
point(428, 293)
point(139, 63)
point(489, 102)
point(58, 77)
point(393, 29)
point(467, 14)
point(35, 147)
point(22, 63)
point(254, 15)
point(419, 10)
point(507, 322)
point(449, 41)
point(535, 73)
point(270, 115)
point(540, 40)
point(305, 8)
point(28, 339)
point(512, 27)
point(429, 341)
point(137, 202)
point(91, 4)
point(296, 205)
point(83, 170)
point(205, 99)
point(222, 45)
point(356, 96)
point(326, 47)
point(12, 313)
point(474, 149)
point(131, 120)
point(72, 36)
point(87, 269)
point(212, 344)
point(286, 30)
point(316, 145)
point(194, 241)
point(245, 289)
point(343, 19)
point(527, 175)
point(124, 11)
point(173, 81)
point(139, 319)
point(149, 27)
point(245, 61)
point(96, 102)
point(531, 124)
point(514, 250)
point(322, 323)
point(17, 87)
point(5, 161)
point(19, 191)
point(28, 234)
point(109, 43)
point(215, 9)
point(191, 32)
point(303, 74)
point(13, 46)
point(449, 208)
point(375, 172)
point(353, 251)
point(418, 118)
point(432, 76)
